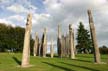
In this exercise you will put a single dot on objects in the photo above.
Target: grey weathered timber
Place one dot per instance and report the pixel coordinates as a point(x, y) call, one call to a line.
point(39, 49)
point(71, 41)
point(64, 48)
point(67, 46)
point(75, 51)
point(93, 35)
point(26, 47)
point(51, 49)
point(44, 44)
point(59, 42)
point(36, 45)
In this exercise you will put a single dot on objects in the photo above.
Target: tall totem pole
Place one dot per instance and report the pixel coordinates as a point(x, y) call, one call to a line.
point(26, 47)
point(94, 40)
point(71, 42)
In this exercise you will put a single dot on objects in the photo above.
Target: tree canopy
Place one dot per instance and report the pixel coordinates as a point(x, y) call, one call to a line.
point(11, 38)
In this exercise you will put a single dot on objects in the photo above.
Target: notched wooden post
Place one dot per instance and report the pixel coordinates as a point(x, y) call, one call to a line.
point(59, 42)
point(36, 45)
point(51, 49)
point(26, 47)
point(93, 35)
point(44, 43)
point(71, 42)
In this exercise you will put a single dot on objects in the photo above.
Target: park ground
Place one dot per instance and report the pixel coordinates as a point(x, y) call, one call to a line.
point(83, 62)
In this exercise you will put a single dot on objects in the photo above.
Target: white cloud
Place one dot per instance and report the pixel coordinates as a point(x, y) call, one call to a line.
point(7, 22)
point(39, 21)
point(24, 6)
point(16, 17)
point(14, 20)
point(17, 8)
point(4, 1)
point(4, 21)
point(63, 12)
point(40, 18)
point(72, 11)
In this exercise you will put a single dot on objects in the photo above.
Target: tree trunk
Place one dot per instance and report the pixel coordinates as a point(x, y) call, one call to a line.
point(93, 35)
point(26, 48)
point(72, 54)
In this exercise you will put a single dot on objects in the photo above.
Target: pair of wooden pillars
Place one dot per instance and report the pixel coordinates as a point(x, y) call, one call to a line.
point(40, 49)
point(62, 43)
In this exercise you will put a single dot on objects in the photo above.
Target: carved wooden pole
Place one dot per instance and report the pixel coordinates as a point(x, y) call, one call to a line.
point(59, 42)
point(39, 49)
point(26, 48)
point(36, 44)
point(93, 35)
point(67, 46)
point(51, 49)
point(75, 51)
point(63, 46)
point(44, 43)
point(72, 54)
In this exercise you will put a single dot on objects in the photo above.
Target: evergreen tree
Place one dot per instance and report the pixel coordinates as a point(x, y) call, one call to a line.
point(84, 42)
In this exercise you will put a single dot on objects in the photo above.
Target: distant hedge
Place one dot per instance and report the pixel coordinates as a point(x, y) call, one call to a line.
point(103, 50)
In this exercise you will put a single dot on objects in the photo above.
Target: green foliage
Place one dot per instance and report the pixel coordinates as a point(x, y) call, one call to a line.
point(84, 42)
point(11, 38)
point(84, 62)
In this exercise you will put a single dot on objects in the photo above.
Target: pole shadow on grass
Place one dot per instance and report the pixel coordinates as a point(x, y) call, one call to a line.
point(82, 60)
point(55, 56)
point(16, 60)
point(57, 66)
point(91, 69)
point(85, 56)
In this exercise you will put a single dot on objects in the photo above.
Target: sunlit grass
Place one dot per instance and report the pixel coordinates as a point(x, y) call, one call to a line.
point(83, 62)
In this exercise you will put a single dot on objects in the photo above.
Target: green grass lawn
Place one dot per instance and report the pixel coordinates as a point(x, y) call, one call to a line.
point(84, 62)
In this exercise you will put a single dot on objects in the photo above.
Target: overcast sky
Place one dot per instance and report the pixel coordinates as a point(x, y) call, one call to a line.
point(50, 13)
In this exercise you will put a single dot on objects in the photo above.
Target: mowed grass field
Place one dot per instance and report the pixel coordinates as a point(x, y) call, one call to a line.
point(84, 62)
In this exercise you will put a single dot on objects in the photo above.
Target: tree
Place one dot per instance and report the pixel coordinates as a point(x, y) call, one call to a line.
point(84, 42)
point(11, 38)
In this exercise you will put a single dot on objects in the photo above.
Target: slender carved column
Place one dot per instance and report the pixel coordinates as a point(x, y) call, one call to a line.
point(93, 35)
point(44, 44)
point(51, 49)
point(59, 42)
point(36, 44)
point(26, 48)
point(72, 54)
